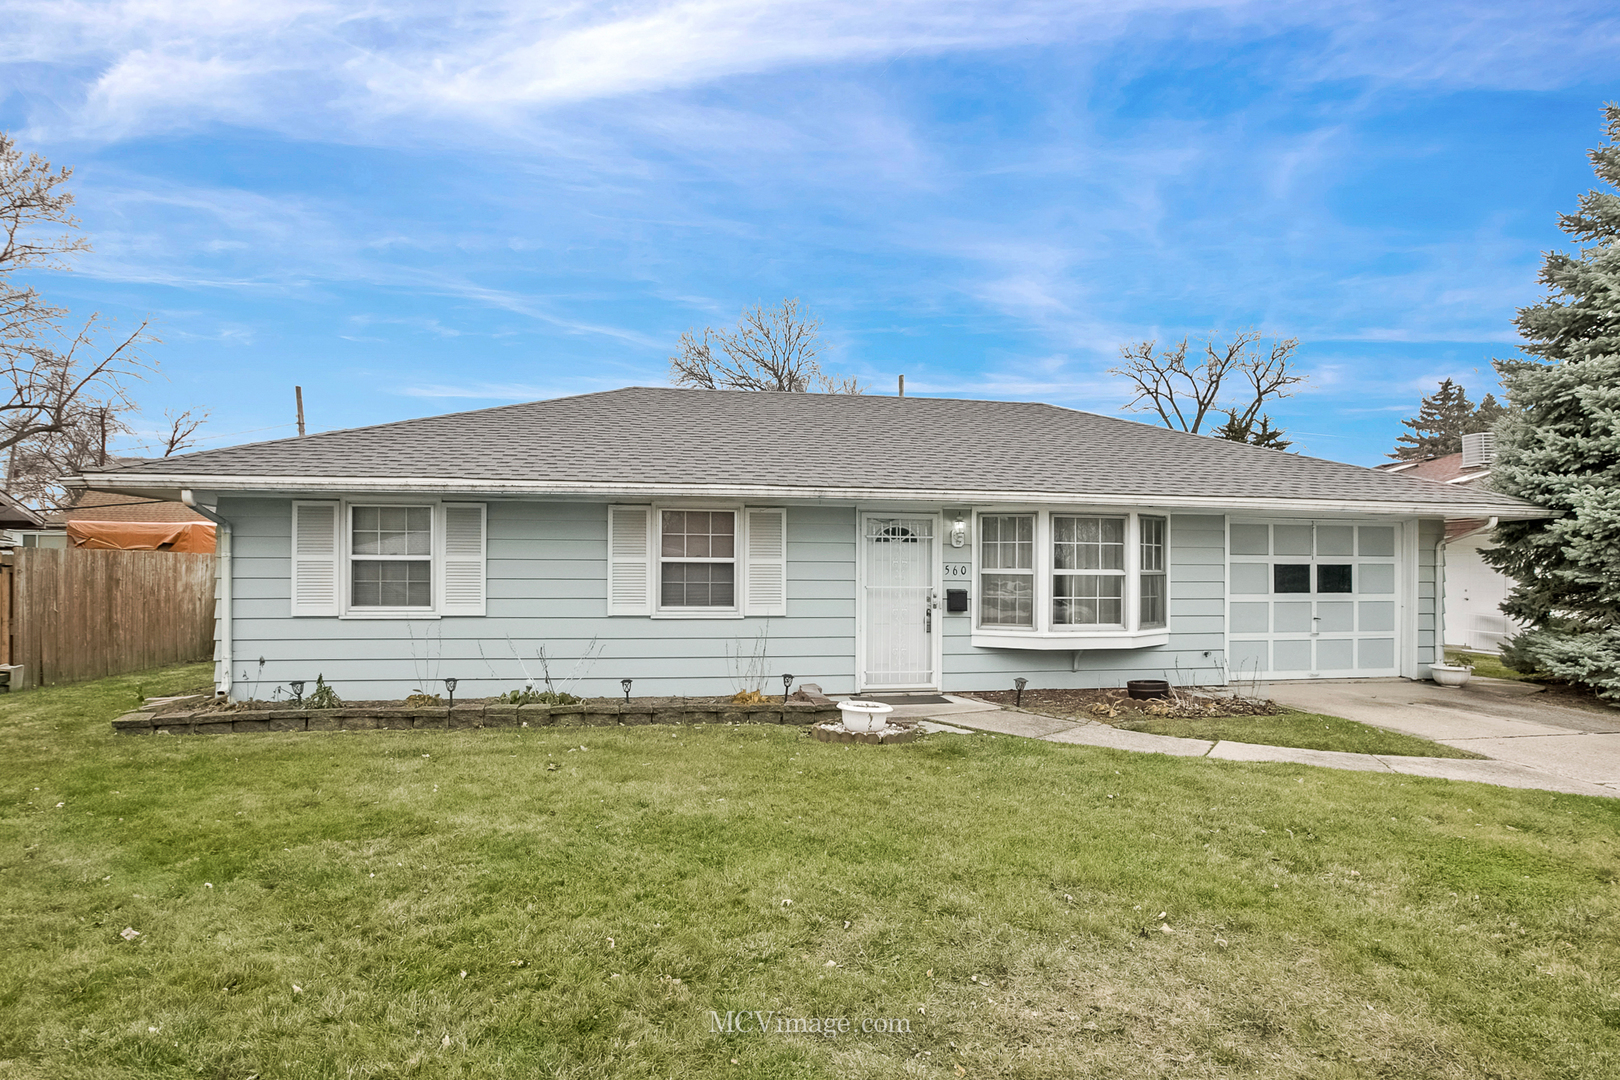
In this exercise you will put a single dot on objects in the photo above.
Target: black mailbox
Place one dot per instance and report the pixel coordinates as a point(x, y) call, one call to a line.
point(956, 600)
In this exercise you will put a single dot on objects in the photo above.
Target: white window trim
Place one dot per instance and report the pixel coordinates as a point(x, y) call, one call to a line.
point(1046, 635)
point(347, 609)
point(738, 562)
point(1131, 554)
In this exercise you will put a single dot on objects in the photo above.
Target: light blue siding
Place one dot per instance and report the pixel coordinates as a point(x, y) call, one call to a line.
point(1431, 534)
point(547, 586)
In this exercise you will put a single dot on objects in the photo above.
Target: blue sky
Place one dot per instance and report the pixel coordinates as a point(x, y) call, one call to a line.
point(415, 208)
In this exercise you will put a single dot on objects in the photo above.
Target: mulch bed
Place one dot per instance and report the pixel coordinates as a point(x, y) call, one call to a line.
point(1115, 704)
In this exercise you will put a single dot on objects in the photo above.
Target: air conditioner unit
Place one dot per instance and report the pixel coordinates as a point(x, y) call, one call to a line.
point(1478, 449)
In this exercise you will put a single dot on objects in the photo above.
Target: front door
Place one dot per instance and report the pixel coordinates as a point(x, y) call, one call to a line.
point(899, 643)
point(1312, 600)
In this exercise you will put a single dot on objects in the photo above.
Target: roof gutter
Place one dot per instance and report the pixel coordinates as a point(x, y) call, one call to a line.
point(223, 575)
point(161, 486)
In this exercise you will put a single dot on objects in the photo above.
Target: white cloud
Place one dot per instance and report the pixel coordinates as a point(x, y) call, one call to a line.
point(337, 68)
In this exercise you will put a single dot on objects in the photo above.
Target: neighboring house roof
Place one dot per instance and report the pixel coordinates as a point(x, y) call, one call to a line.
point(1447, 469)
point(116, 506)
point(649, 442)
point(14, 515)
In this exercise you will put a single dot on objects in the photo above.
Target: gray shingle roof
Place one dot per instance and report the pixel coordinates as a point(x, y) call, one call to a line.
point(650, 435)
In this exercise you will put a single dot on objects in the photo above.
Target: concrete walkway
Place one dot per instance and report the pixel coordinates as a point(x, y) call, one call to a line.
point(1389, 703)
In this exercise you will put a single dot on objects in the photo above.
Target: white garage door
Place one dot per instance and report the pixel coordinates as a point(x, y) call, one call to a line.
point(1308, 601)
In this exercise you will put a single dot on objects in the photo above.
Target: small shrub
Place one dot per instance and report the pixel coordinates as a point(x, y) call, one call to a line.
point(530, 696)
point(419, 700)
point(323, 696)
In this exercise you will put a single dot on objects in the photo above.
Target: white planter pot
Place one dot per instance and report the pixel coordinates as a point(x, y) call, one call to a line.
point(1452, 675)
point(864, 715)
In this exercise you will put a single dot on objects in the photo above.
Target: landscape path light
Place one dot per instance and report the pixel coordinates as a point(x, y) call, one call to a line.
point(626, 684)
point(1018, 702)
point(298, 691)
point(450, 685)
point(787, 686)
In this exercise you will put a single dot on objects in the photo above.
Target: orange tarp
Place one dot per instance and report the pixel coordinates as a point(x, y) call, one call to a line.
point(192, 536)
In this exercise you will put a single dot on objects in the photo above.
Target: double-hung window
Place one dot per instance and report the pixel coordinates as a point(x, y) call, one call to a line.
point(1007, 564)
point(1088, 571)
point(697, 559)
point(1153, 570)
point(391, 557)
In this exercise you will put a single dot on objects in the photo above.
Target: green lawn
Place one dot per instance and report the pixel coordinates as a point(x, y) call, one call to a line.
point(1307, 731)
point(574, 902)
point(1487, 665)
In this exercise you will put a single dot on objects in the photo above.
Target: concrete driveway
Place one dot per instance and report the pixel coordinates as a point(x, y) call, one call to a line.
point(1507, 721)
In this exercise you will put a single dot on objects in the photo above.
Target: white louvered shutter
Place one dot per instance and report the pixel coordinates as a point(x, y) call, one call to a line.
point(462, 570)
point(315, 554)
point(630, 560)
point(767, 562)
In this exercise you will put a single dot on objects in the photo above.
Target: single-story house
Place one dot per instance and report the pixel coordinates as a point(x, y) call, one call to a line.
point(685, 539)
point(1475, 589)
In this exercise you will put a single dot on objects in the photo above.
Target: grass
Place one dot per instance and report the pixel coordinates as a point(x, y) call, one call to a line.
point(1487, 665)
point(1307, 731)
point(574, 902)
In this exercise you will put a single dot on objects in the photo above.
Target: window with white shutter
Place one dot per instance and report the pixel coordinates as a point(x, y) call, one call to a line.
point(462, 570)
point(766, 562)
point(315, 558)
point(630, 576)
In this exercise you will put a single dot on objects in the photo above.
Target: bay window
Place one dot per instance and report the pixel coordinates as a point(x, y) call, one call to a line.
point(1007, 562)
point(1088, 571)
point(1153, 570)
point(1055, 579)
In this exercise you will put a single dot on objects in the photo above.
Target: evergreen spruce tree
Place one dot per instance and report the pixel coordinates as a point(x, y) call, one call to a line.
point(1256, 433)
point(1560, 446)
point(1485, 417)
point(1443, 418)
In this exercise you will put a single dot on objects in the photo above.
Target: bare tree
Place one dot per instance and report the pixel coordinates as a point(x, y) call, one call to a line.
point(181, 429)
point(771, 349)
point(1236, 379)
point(52, 376)
point(35, 466)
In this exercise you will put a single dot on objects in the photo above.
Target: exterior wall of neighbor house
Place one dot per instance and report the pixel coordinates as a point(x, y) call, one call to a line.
point(547, 586)
point(1474, 592)
point(1195, 655)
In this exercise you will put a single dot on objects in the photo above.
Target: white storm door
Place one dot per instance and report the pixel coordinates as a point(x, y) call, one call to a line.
point(1312, 600)
point(899, 639)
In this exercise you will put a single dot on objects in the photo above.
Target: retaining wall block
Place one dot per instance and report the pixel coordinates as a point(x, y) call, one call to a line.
point(434, 719)
point(240, 724)
point(323, 720)
point(539, 715)
point(213, 727)
point(601, 714)
point(289, 721)
point(567, 715)
point(635, 714)
point(467, 716)
point(395, 719)
point(133, 723)
point(500, 715)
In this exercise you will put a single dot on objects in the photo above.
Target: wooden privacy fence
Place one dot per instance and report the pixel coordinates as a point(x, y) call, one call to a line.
point(68, 614)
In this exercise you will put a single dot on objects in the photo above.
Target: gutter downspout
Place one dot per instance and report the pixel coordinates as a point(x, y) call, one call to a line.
point(222, 572)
